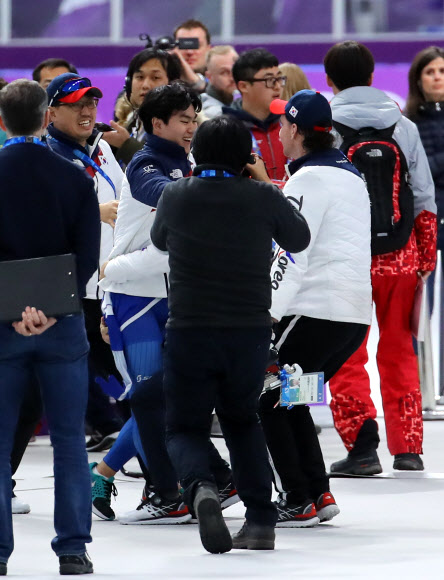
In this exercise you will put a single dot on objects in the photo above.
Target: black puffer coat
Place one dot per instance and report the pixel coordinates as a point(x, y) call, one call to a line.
point(430, 122)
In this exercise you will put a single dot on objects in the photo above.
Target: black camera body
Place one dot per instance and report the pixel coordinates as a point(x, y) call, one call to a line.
point(169, 43)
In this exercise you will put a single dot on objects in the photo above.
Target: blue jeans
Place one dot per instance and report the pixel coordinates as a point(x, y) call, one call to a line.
point(59, 359)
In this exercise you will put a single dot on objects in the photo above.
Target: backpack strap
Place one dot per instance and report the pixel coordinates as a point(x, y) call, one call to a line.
point(344, 131)
point(347, 133)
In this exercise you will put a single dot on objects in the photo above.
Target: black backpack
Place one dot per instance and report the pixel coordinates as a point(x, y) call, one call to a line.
point(383, 166)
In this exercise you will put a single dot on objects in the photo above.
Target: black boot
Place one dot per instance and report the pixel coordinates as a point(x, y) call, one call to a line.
point(362, 459)
point(213, 531)
point(3, 568)
point(366, 464)
point(254, 537)
point(75, 564)
point(408, 462)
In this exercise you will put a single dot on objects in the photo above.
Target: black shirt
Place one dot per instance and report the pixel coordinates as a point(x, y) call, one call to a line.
point(218, 232)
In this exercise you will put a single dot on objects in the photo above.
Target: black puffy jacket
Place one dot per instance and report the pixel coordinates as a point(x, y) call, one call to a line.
point(430, 122)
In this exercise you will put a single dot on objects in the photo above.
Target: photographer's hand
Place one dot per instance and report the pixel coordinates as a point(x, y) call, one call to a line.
point(188, 74)
point(117, 137)
point(257, 170)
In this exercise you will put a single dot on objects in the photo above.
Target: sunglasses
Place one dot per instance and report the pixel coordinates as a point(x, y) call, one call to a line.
point(77, 107)
point(70, 86)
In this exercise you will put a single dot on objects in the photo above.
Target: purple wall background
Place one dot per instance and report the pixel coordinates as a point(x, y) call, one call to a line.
point(106, 65)
point(391, 78)
point(119, 56)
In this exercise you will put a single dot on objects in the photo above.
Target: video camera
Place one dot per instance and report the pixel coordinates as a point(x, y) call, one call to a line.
point(170, 43)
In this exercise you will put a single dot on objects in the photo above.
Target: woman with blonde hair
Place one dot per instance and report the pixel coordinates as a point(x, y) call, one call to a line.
point(296, 80)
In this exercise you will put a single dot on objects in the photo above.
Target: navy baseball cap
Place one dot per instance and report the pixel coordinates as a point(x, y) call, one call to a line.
point(307, 109)
point(70, 88)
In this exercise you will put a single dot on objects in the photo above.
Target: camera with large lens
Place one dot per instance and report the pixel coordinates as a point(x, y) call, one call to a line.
point(170, 43)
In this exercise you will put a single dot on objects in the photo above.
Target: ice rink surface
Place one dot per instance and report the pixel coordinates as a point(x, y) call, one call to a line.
point(388, 528)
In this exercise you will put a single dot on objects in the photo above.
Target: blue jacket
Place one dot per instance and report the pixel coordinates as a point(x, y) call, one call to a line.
point(107, 176)
point(64, 146)
point(48, 207)
point(153, 167)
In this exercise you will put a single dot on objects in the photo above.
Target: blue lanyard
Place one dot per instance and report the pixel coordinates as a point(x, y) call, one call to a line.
point(215, 173)
point(86, 159)
point(15, 140)
point(256, 148)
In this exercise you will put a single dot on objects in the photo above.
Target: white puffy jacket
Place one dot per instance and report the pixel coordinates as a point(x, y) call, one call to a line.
point(330, 280)
point(136, 267)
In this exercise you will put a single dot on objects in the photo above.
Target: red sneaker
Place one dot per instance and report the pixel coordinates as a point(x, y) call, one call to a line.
point(326, 507)
point(296, 516)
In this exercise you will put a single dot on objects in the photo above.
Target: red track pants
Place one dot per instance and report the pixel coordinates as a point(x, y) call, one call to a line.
point(351, 404)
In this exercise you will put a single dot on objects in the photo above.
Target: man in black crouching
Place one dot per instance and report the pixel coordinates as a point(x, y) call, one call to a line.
point(218, 227)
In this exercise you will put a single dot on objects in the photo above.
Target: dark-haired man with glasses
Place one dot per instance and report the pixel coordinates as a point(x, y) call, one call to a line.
point(73, 109)
point(258, 79)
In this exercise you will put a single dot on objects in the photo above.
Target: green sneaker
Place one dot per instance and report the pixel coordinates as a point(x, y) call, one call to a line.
point(102, 489)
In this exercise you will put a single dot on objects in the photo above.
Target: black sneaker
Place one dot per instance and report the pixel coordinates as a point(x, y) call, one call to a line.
point(254, 537)
point(99, 442)
point(3, 568)
point(296, 516)
point(227, 494)
point(366, 463)
point(408, 462)
point(102, 489)
point(75, 565)
point(157, 510)
point(213, 530)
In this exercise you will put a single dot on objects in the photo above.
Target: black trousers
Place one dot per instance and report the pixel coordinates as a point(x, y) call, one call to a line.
point(221, 368)
point(148, 406)
point(317, 346)
point(100, 414)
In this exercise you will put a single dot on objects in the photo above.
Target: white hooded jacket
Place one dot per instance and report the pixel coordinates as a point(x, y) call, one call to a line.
point(330, 280)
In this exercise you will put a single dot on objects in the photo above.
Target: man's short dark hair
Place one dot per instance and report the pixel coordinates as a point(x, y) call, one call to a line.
point(349, 64)
point(52, 63)
point(23, 104)
point(316, 140)
point(252, 61)
point(163, 102)
point(223, 140)
point(170, 62)
point(190, 24)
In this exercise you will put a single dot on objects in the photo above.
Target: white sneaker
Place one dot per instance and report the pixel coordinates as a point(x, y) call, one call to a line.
point(156, 510)
point(19, 506)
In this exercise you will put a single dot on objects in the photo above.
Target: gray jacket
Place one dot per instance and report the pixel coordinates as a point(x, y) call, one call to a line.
point(359, 107)
point(211, 107)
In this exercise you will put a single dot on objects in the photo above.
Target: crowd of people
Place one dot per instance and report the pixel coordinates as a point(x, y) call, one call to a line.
point(228, 208)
